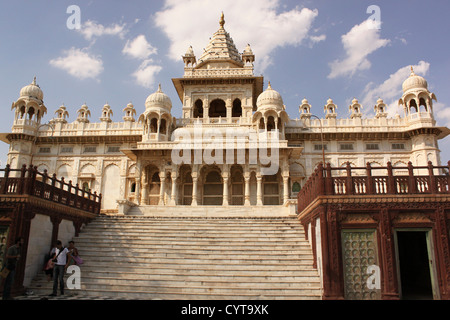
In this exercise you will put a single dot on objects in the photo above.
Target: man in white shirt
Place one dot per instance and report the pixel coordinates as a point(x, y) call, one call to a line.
point(61, 259)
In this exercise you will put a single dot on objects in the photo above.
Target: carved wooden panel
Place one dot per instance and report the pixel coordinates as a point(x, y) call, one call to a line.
point(359, 251)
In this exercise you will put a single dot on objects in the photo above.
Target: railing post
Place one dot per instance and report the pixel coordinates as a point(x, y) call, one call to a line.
point(5, 179)
point(21, 184)
point(44, 183)
point(69, 193)
point(329, 181)
point(412, 186)
point(52, 189)
point(30, 180)
point(321, 181)
point(61, 189)
point(391, 189)
point(75, 201)
point(433, 186)
point(369, 180)
point(349, 182)
point(448, 177)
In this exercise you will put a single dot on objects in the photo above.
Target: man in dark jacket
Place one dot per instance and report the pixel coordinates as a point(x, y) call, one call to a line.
point(12, 256)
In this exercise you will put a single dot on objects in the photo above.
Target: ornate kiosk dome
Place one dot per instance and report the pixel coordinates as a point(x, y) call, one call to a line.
point(270, 99)
point(158, 99)
point(414, 82)
point(32, 90)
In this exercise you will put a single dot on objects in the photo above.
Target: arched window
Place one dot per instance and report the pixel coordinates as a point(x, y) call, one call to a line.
point(270, 123)
point(162, 126)
point(217, 109)
point(236, 112)
point(154, 125)
point(198, 109)
point(423, 104)
point(86, 186)
point(30, 113)
point(133, 187)
point(296, 187)
point(413, 104)
point(261, 124)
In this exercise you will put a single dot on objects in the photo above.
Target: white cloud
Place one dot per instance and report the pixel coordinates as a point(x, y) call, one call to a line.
point(91, 30)
point(316, 39)
point(391, 89)
point(246, 21)
point(79, 64)
point(139, 48)
point(359, 43)
point(146, 73)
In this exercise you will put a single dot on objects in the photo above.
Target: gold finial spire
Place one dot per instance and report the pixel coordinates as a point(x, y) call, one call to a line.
point(34, 81)
point(222, 20)
point(269, 87)
point(412, 70)
point(159, 88)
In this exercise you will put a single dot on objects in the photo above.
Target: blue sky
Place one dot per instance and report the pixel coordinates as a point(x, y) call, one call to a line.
point(307, 49)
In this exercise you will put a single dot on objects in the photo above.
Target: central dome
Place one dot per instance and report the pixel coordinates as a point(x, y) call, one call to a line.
point(32, 90)
point(414, 82)
point(158, 99)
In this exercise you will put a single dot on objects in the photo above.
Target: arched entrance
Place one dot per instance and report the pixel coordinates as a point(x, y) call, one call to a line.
point(217, 109)
point(153, 189)
point(212, 188)
point(271, 190)
point(237, 186)
point(186, 185)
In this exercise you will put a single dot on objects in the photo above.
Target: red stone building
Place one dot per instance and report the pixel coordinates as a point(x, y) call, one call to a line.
point(379, 233)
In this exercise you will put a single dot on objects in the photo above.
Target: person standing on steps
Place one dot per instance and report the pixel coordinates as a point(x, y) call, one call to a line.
point(61, 260)
point(12, 256)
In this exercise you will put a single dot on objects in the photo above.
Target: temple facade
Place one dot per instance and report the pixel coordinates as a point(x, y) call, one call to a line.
point(234, 145)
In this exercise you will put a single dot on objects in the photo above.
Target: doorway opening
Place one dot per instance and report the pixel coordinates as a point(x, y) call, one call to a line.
point(414, 263)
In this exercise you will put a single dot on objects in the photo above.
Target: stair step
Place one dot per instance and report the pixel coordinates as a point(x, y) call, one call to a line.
point(148, 257)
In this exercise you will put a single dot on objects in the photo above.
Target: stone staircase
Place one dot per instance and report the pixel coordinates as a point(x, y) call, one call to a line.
point(193, 258)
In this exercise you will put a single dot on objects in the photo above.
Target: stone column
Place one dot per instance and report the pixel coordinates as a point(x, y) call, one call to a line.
point(138, 190)
point(194, 190)
point(259, 201)
point(225, 190)
point(144, 194)
point(286, 189)
point(173, 200)
point(247, 189)
point(162, 189)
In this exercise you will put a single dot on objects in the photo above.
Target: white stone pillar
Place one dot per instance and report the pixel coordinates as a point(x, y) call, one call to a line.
point(286, 189)
point(247, 189)
point(173, 200)
point(225, 191)
point(144, 194)
point(259, 201)
point(194, 190)
point(162, 189)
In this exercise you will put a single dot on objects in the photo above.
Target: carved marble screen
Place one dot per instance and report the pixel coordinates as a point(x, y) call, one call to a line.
point(359, 251)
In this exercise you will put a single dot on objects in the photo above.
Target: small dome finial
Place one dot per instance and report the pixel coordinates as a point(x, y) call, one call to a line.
point(222, 20)
point(412, 71)
point(34, 80)
point(270, 86)
point(159, 88)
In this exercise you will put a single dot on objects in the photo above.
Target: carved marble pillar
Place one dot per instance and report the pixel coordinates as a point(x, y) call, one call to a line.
point(162, 189)
point(173, 200)
point(194, 186)
point(225, 191)
point(285, 189)
point(259, 201)
point(247, 189)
